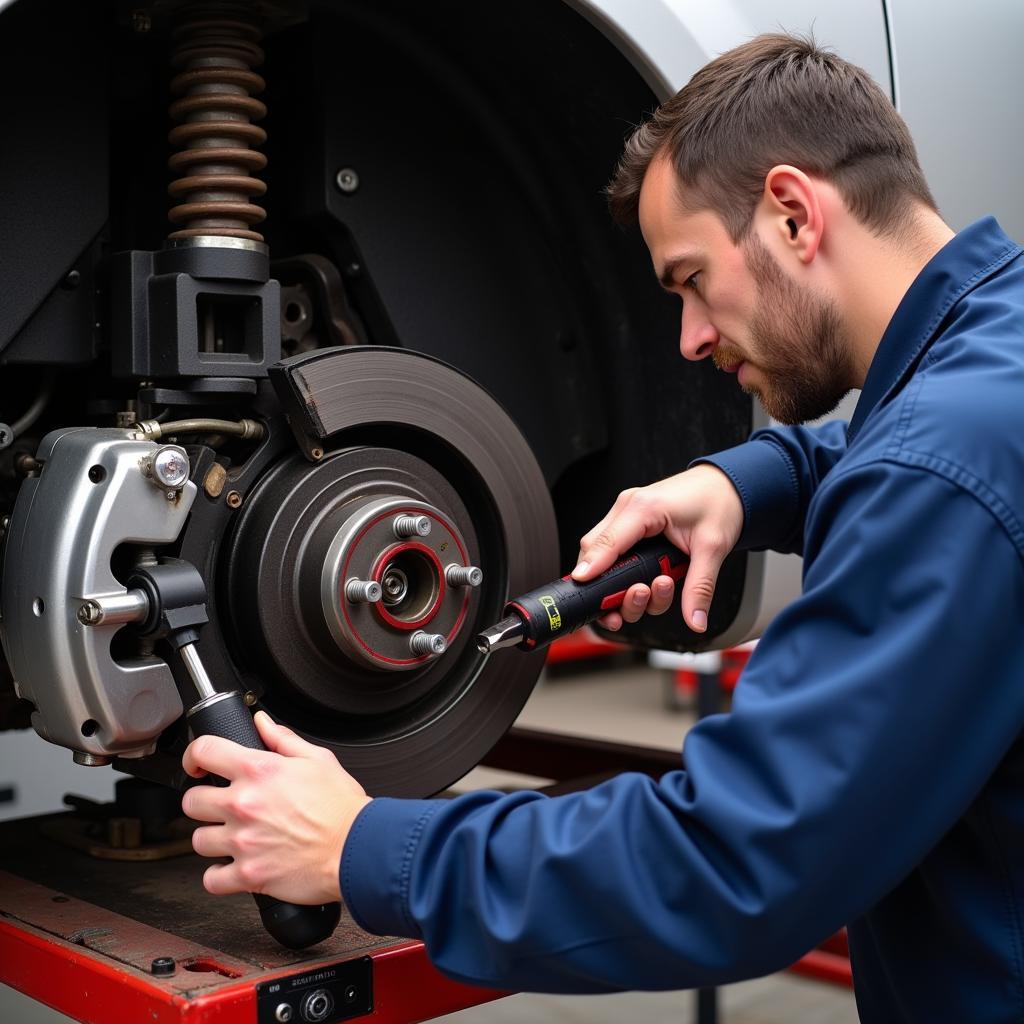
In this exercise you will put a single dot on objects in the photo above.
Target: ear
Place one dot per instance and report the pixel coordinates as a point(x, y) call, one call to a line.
point(793, 209)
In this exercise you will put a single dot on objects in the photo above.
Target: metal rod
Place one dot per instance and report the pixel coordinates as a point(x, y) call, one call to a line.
point(131, 606)
point(203, 684)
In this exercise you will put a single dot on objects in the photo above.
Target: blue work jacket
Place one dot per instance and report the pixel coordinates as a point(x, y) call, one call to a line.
point(871, 771)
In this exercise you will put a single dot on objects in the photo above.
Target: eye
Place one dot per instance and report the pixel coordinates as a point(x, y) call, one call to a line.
point(692, 281)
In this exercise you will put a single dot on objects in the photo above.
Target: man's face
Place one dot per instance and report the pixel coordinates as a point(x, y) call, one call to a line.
point(741, 308)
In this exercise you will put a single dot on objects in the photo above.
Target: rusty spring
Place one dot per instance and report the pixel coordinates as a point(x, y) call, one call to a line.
point(214, 49)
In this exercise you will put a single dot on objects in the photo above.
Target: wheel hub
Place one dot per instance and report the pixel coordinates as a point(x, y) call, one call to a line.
point(411, 576)
point(420, 497)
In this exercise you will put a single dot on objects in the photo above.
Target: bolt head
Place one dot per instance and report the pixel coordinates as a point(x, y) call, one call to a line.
point(347, 180)
point(88, 613)
point(162, 965)
point(171, 466)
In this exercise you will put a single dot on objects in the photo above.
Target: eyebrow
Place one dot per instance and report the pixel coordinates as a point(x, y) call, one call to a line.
point(667, 275)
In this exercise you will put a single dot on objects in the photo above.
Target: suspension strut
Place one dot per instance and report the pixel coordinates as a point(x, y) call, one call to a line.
point(203, 306)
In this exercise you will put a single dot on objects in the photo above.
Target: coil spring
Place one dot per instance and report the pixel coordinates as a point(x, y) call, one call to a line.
point(214, 49)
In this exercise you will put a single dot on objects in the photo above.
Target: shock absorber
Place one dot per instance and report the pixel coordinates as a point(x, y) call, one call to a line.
point(204, 306)
point(214, 50)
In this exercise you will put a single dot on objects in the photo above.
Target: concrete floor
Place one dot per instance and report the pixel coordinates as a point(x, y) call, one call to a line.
point(620, 703)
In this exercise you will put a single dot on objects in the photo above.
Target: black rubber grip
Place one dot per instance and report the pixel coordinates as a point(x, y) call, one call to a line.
point(228, 717)
point(564, 605)
point(293, 925)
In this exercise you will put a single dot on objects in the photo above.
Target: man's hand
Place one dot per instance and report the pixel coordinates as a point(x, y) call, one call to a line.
point(283, 819)
point(699, 511)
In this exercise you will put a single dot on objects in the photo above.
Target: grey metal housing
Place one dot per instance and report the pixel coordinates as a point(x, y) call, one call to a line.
point(91, 497)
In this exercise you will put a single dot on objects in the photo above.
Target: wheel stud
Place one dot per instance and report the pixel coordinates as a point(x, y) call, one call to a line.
point(411, 526)
point(463, 576)
point(427, 643)
point(363, 591)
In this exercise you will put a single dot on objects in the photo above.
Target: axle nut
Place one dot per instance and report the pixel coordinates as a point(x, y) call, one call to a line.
point(427, 643)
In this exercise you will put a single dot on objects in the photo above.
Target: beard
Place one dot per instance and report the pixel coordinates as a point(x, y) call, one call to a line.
point(797, 344)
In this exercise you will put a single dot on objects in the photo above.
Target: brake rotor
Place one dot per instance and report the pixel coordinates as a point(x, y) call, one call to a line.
point(352, 572)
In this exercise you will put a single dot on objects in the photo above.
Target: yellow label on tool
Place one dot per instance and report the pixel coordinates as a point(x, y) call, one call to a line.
point(554, 616)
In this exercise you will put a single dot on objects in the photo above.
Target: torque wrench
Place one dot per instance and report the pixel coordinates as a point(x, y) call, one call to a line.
point(562, 606)
point(224, 714)
point(168, 600)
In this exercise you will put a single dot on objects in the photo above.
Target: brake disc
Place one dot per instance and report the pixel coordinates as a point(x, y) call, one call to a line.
point(388, 433)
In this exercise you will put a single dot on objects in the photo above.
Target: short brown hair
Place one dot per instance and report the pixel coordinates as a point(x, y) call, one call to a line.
point(779, 99)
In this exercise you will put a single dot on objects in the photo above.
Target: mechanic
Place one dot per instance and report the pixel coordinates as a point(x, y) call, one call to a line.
point(871, 771)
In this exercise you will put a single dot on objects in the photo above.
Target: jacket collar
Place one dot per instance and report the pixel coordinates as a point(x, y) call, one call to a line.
point(967, 259)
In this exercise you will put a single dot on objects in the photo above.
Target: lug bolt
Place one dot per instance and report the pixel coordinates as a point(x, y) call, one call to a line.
point(363, 591)
point(427, 643)
point(463, 576)
point(170, 466)
point(411, 526)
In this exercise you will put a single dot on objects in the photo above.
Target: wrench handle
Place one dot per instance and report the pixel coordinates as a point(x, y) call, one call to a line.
point(565, 605)
point(292, 924)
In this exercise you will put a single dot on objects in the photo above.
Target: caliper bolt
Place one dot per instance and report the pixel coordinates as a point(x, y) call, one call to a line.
point(89, 613)
point(463, 576)
point(169, 467)
point(363, 591)
point(427, 643)
point(411, 526)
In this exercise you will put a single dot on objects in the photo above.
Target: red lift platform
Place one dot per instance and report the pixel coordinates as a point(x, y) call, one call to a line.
point(81, 936)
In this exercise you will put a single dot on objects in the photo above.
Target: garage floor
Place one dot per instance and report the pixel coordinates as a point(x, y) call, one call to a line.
point(627, 704)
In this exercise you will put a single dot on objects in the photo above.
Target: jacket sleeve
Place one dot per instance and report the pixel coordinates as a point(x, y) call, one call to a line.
point(826, 784)
point(777, 472)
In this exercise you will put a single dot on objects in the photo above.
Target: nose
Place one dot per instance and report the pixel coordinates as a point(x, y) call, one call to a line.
point(697, 335)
